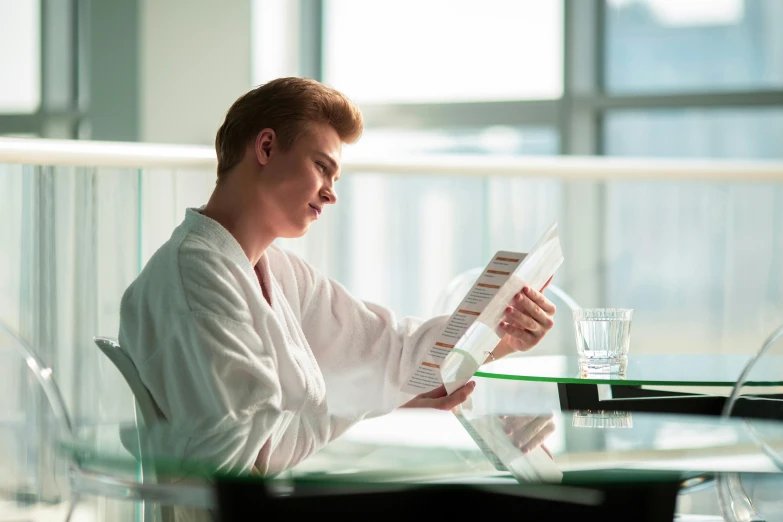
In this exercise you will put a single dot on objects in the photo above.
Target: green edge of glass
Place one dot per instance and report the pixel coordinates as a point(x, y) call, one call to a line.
point(617, 382)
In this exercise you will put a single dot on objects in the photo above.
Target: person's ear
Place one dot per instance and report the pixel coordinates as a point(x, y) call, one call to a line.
point(263, 145)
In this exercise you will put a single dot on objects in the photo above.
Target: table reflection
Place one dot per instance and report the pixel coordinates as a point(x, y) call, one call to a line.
point(602, 419)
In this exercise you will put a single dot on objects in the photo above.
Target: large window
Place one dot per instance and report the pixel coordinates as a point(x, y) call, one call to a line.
point(706, 270)
point(426, 229)
point(644, 78)
point(444, 50)
point(20, 56)
point(693, 45)
point(43, 74)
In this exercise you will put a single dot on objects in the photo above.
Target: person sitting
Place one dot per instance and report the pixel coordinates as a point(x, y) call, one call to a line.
point(254, 357)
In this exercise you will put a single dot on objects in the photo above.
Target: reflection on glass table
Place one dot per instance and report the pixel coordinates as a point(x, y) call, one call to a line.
point(422, 445)
point(481, 446)
point(602, 419)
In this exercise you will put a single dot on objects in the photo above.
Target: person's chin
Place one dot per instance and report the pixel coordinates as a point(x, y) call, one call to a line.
point(298, 232)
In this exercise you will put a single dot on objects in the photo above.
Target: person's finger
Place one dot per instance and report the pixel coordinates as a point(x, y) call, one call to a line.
point(529, 432)
point(539, 299)
point(435, 393)
point(516, 423)
point(539, 438)
point(519, 339)
point(529, 307)
point(455, 399)
point(420, 401)
point(520, 320)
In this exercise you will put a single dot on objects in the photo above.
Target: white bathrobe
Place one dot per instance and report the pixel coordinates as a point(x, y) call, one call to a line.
point(243, 383)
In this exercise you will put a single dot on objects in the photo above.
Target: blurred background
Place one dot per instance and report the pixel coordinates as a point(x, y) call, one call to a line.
point(700, 261)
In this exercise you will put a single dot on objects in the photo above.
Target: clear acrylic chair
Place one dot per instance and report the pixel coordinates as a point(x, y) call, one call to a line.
point(757, 397)
point(163, 493)
point(34, 477)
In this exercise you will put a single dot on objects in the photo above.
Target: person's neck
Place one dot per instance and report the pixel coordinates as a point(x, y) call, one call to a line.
point(228, 207)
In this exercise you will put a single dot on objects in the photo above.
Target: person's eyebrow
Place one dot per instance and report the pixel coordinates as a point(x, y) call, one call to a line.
point(330, 160)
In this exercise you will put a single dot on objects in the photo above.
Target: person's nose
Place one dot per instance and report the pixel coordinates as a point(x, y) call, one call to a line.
point(329, 195)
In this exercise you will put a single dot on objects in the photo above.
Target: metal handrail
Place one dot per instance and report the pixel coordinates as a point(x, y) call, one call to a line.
point(30, 151)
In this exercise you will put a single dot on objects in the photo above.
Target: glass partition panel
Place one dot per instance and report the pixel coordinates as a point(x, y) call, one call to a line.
point(73, 239)
point(701, 260)
point(165, 194)
point(399, 240)
point(70, 246)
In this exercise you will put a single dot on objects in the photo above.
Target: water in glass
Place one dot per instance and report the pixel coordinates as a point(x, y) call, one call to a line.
point(603, 337)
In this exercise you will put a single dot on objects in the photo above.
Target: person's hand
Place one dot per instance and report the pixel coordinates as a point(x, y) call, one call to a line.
point(438, 399)
point(526, 321)
point(528, 433)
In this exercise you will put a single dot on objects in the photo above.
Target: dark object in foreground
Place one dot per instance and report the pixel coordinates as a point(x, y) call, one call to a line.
point(244, 499)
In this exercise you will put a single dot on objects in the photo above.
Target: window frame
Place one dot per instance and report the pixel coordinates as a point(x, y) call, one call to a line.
point(77, 38)
point(578, 117)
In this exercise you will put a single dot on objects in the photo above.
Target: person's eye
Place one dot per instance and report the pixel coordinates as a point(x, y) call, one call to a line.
point(321, 166)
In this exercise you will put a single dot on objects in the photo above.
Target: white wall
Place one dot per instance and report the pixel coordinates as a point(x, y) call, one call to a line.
point(195, 61)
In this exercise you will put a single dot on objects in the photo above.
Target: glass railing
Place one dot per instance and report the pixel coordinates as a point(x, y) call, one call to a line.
point(694, 246)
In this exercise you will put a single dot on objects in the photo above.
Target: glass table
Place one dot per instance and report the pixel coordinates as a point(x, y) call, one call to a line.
point(665, 370)
point(477, 446)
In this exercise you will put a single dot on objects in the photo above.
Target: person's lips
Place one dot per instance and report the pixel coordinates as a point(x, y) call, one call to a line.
point(317, 210)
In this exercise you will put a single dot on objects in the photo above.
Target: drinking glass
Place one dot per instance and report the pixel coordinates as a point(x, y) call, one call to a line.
point(603, 336)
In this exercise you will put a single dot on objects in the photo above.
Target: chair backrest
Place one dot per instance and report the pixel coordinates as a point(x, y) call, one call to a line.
point(131, 438)
point(32, 470)
point(43, 374)
point(149, 409)
point(757, 397)
point(765, 366)
point(758, 393)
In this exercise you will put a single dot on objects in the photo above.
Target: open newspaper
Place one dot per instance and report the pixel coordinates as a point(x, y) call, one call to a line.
point(473, 330)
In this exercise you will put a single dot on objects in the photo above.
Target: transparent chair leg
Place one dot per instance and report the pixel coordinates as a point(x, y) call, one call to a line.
point(71, 507)
point(735, 503)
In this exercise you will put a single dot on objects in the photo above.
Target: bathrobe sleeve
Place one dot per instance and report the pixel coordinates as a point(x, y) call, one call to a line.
point(364, 351)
